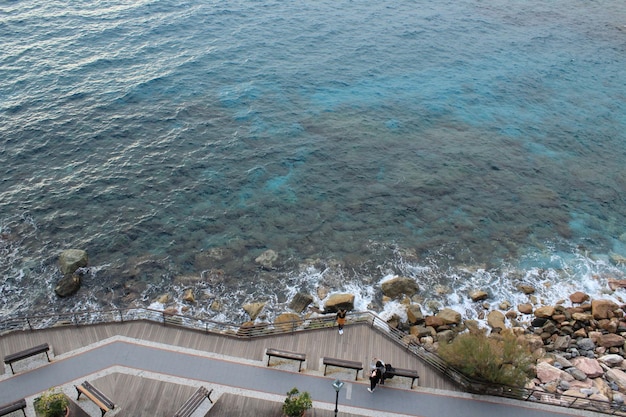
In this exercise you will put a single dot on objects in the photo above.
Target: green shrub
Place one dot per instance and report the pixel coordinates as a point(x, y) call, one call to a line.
point(52, 403)
point(296, 403)
point(502, 360)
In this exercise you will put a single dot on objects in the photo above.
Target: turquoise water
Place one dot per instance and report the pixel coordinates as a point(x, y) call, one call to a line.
point(463, 143)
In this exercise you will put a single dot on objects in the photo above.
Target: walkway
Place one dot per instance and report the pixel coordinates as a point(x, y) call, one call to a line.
point(253, 379)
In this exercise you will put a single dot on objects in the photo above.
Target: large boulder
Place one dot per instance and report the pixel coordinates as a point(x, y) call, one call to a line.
point(611, 340)
point(253, 309)
point(287, 322)
point(414, 313)
point(548, 373)
point(495, 320)
point(603, 309)
point(300, 302)
point(72, 259)
point(398, 286)
point(267, 259)
point(68, 285)
point(450, 316)
point(591, 367)
point(336, 302)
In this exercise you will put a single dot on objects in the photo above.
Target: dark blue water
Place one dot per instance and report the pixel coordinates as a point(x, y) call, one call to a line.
point(463, 143)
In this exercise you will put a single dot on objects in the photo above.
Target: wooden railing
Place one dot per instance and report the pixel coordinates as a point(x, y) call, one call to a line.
point(256, 330)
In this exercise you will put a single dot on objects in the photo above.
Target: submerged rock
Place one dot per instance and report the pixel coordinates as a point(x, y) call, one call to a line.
point(72, 259)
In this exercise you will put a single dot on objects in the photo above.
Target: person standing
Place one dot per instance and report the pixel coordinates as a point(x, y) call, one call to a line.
point(341, 319)
point(375, 376)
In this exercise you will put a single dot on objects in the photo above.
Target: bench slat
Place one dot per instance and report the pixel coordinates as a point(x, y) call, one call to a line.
point(194, 402)
point(286, 355)
point(96, 396)
point(35, 350)
point(14, 406)
point(408, 373)
point(342, 363)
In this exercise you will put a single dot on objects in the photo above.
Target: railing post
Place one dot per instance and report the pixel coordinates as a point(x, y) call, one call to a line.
point(28, 321)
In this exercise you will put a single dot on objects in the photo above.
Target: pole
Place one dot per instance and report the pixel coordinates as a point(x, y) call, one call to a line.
point(336, 403)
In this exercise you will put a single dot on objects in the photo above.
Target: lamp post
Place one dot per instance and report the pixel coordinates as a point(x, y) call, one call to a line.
point(337, 384)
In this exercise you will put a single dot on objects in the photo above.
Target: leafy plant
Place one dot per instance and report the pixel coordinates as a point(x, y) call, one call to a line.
point(297, 403)
point(52, 403)
point(502, 360)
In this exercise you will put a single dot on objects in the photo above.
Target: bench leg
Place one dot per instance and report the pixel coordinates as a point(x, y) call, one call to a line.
point(78, 391)
point(48, 356)
point(209, 396)
point(325, 367)
point(268, 360)
point(300, 367)
point(12, 371)
point(356, 378)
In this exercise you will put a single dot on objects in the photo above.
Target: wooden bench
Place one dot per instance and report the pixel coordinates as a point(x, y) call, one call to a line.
point(285, 354)
point(407, 373)
point(95, 395)
point(342, 363)
point(35, 350)
point(14, 406)
point(192, 404)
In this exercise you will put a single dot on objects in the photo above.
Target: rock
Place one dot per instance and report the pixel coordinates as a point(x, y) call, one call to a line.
point(562, 342)
point(336, 302)
point(163, 299)
point(253, 309)
point(610, 340)
point(583, 317)
point(611, 360)
point(591, 367)
point(216, 306)
point(576, 373)
point(544, 312)
point(478, 295)
point(495, 320)
point(526, 289)
point(433, 321)
point(420, 331)
point(578, 297)
point(287, 322)
point(414, 313)
point(617, 259)
point(399, 286)
point(72, 259)
point(618, 377)
point(450, 316)
point(548, 373)
point(525, 308)
point(445, 336)
point(68, 285)
point(300, 302)
point(603, 309)
point(586, 344)
point(534, 342)
point(616, 284)
point(188, 296)
point(267, 259)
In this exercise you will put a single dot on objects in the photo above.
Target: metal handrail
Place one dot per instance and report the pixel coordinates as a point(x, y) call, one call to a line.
point(256, 330)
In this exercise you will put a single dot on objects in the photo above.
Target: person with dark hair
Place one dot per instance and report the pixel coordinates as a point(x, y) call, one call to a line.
point(380, 365)
point(375, 376)
point(341, 319)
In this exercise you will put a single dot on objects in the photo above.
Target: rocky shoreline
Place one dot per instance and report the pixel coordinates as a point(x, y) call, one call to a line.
point(578, 344)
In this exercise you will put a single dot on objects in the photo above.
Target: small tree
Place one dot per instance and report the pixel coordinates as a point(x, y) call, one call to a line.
point(297, 403)
point(503, 360)
point(52, 403)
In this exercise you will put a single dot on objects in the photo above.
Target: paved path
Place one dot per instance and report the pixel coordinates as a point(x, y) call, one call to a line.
point(236, 374)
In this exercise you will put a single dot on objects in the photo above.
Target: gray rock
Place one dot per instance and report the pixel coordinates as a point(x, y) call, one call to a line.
point(577, 374)
point(586, 344)
point(300, 302)
point(68, 285)
point(72, 259)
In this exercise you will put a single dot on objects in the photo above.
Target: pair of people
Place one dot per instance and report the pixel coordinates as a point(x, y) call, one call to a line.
point(377, 375)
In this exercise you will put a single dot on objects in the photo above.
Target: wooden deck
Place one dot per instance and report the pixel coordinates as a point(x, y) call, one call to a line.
point(360, 342)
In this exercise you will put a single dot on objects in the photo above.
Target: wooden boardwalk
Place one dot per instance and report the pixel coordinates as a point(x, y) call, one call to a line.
point(360, 342)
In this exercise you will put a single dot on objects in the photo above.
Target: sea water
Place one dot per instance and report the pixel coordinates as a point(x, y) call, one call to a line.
point(466, 144)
